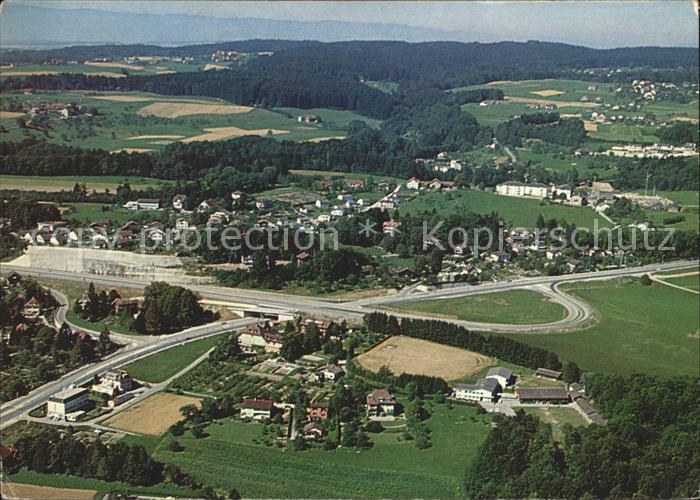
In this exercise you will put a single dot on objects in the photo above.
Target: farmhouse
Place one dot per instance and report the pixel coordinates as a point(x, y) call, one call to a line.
point(317, 410)
point(550, 374)
point(260, 335)
point(332, 373)
point(132, 305)
point(413, 183)
point(309, 119)
point(355, 183)
point(256, 409)
point(313, 431)
point(31, 309)
point(179, 201)
point(543, 395)
point(67, 401)
point(485, 389)
point(113, 382)
point(503, 376)
point(390, 227)
point(380, 403)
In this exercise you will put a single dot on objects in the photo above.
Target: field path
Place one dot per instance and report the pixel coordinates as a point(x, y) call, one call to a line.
point(673, 285)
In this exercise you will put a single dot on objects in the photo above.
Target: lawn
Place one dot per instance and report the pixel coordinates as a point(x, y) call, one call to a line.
point(647, 329)
point(689, 224)
point(587, 167)
point(229, 457)
point(516, 211)
point(685, 198)
point(558, 417)
point(67, 182)
point(624, 132)
point(515, 307)
point(74, 290)
point(87, 213)
point(165, 364)
point(690, 282)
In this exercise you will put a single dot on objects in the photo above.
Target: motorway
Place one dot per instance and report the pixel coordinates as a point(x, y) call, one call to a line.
point(578, 314)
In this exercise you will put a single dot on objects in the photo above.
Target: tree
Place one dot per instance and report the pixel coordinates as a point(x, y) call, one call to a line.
point(571, 372)
point(175, 446)
point(646, 280)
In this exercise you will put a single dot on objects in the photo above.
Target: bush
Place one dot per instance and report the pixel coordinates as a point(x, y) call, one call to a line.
point(374, 427)
point(646, 280)
point(675, 219)
point(175, 446)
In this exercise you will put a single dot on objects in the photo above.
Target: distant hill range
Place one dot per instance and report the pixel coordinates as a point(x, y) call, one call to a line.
point(88, 26)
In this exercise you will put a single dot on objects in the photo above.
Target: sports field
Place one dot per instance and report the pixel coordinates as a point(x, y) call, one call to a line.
point(643, 329)
point(421, 357)
point(518, 211)
point(514, 307)
point(153, 416)
point(162, 366)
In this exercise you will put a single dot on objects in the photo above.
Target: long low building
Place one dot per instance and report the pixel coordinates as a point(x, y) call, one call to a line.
point(67, 401)
point(543, 395)
point(485, 389)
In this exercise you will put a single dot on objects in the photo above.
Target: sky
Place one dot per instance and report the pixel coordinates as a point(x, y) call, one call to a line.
point(594, 23)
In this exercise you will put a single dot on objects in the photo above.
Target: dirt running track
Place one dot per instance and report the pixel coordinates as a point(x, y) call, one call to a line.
point(421, 357)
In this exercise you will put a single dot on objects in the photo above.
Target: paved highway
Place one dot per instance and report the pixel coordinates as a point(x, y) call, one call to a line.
point(578, 313)
point(15, 409)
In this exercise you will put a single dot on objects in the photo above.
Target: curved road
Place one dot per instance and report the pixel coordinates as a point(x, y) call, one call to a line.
point(578, 313)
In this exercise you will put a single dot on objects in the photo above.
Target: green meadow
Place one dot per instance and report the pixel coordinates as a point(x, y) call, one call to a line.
point(517, 211)
point(231, 455)
point(67, 182)
point(119, 125)
point(165, 364)
point(514, 307)
point(643, 329)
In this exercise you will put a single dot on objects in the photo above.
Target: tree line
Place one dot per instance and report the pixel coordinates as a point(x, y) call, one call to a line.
point(446, 333)
point(649, 448)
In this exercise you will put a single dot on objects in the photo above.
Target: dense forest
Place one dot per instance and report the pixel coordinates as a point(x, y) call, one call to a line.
point(650, 447)
point(546, 126)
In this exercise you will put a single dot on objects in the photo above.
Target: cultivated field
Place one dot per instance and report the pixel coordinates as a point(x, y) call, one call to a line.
point(8, 115)
point(547, 93)
point(222, 133)
point(178, 109)
point(153, 415)
point(33, 492)
point(144, 121)
point(67, 183)
point(421, 357)
point(542, 102)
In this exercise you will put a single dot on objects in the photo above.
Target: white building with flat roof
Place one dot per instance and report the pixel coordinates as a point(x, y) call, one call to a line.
point(67, 401)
